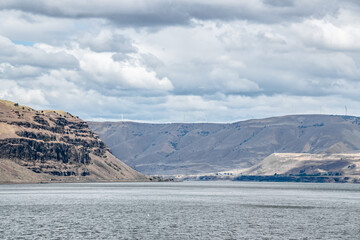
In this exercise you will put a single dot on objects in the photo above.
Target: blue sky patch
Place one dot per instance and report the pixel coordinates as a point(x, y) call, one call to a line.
point(25, 43)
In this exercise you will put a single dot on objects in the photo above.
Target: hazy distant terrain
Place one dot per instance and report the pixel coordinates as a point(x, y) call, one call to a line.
point(306, 164)
point(194, 148)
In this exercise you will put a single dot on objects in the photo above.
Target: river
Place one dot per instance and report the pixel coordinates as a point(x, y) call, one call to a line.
point(180, 210)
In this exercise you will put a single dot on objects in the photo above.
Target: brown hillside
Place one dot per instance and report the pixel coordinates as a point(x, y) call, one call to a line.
point(46, 145)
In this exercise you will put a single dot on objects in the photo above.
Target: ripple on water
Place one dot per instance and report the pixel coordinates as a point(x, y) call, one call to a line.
point(192, 210)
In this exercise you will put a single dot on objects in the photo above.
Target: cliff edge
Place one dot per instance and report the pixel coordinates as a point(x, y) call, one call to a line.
point(54, 146)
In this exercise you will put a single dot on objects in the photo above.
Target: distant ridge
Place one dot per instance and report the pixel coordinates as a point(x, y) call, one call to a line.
point(54, 146)
point(307, 164)
point(196, 148)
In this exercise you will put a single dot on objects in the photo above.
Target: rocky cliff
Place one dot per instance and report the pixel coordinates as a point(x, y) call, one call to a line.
point(54, 146)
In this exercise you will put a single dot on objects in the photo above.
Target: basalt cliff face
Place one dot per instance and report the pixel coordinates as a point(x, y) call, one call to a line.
point(42, 146)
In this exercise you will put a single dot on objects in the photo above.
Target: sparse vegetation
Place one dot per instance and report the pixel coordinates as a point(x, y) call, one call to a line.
point(55, 149)
point(47, 139)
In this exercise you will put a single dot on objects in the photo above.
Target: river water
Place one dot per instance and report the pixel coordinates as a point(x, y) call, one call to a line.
point(180, 210)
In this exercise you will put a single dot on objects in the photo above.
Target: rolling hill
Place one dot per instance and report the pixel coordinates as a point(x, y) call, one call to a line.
point(198, 148)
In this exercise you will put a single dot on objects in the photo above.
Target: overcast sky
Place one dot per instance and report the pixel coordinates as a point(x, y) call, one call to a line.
point(181, 61)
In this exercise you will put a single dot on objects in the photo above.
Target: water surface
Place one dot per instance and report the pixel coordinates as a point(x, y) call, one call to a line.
point(185, 210)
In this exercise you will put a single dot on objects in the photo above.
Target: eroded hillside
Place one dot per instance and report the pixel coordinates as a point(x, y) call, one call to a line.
point(196, 148)
point(54, 146)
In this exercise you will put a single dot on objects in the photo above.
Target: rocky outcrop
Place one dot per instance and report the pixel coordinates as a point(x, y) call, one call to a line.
point(57, 146)
point(33, 150)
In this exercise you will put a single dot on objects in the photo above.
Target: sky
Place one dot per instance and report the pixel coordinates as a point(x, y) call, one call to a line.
point(181, 61)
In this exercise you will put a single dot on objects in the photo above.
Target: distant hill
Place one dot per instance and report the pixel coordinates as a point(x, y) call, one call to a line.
point(196, 148)
point(44, 146)
point(306, 164)
point(298, 167)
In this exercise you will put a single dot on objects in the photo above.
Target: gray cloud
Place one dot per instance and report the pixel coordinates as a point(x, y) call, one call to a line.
point(280, 3)
point(7, 71)
point(107, 41)
point(163, 12)
point(194, 60)
point(32, 56)
point(120, 57)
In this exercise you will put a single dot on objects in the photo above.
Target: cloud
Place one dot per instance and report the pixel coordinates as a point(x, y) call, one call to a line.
point(107, 41)
point(325, 34)
point(34, 56)
point(169, 61)
point(25, 26)
point(231, 82)
point(102, 70)
point(23, 95)
point(280, 3)
point(165, 13)
point(8, 71)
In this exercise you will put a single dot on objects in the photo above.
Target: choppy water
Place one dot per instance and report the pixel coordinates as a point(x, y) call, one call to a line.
point(187, 210)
